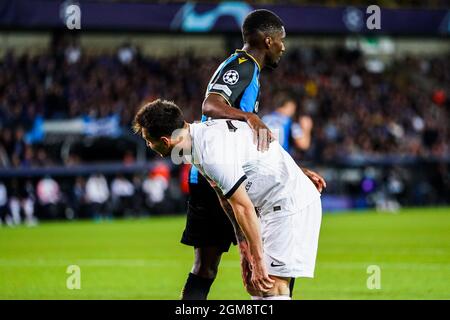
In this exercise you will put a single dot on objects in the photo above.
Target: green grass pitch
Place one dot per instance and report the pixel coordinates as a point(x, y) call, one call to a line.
point(143, 259)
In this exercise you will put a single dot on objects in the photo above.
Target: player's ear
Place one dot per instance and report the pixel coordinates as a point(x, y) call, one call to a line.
point(166, 141)
point(268, 42)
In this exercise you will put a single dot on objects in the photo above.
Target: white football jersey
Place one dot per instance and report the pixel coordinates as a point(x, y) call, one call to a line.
point(224, 152)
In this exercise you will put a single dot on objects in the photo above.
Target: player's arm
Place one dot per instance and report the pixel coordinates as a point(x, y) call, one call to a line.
point(229, 179)
point(301, 133)
point(222, 96)
point(229, 212)
point(215, 106)
point(244, 252)
point(247, 219)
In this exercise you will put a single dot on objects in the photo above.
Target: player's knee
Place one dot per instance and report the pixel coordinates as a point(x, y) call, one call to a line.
point(205, 270)
point(206, 262)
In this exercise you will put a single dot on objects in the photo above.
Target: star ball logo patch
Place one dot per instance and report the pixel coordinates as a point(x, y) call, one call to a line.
point(231, 77)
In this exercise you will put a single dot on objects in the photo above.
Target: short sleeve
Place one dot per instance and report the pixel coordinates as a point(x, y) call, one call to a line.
point(228, 177)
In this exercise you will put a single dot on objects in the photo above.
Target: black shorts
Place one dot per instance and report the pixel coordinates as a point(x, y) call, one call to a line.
point(206, 224)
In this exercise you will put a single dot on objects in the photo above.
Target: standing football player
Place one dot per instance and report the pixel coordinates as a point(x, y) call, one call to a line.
point(232, 93)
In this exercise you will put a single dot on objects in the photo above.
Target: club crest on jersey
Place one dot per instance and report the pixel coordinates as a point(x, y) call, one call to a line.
point(231, 77)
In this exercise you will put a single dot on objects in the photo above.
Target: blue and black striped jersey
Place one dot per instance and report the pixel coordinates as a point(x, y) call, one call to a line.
point(237, 81)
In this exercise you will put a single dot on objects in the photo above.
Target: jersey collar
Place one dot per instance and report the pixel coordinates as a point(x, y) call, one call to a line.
point(248, 54)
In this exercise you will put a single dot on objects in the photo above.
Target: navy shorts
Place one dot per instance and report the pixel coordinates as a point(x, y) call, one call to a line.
point(207, 225)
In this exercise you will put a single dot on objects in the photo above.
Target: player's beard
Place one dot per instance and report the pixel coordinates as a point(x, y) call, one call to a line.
point(273, 64)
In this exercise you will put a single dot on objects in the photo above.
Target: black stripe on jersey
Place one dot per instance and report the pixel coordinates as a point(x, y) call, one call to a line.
point(236, 185)
point(231, 126)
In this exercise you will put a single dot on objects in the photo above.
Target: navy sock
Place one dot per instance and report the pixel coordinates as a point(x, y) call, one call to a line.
point(196, 288)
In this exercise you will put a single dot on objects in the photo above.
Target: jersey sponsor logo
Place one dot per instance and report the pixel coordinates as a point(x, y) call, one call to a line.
point(231, 77)
point(248, 185)
point(222, 87)
point(242, 60)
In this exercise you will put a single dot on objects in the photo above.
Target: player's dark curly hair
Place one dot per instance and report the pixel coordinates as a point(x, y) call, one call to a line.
point(260, 20)
point(159, 118)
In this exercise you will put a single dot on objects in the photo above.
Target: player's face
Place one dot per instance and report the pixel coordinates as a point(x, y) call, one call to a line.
point(276, 49)
point(161, 146)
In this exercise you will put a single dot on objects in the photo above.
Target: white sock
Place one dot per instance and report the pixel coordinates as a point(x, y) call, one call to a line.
point(276, 298)
point(257, 298)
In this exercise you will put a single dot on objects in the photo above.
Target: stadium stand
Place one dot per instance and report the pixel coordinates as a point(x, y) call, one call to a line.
point(380, 125)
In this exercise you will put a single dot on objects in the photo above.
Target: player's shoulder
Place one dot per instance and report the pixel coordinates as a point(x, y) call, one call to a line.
point(241, 63)
point(208, 135)
point(247, 59)
point(220, 125)
point(198, 129)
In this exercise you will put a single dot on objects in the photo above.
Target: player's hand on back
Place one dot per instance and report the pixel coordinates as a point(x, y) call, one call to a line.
point(262, 136)
point(316, 178)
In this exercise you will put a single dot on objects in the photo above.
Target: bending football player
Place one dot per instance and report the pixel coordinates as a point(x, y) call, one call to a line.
point(276, 207)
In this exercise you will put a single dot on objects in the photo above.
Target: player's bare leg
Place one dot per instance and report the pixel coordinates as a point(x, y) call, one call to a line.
point(203, 273)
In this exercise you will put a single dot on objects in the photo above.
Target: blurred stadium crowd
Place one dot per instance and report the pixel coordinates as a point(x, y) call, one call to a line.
point(361, 111)
point(93, 196)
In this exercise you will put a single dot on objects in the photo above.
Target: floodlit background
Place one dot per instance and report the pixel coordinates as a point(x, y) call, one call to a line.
point(77, 188)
